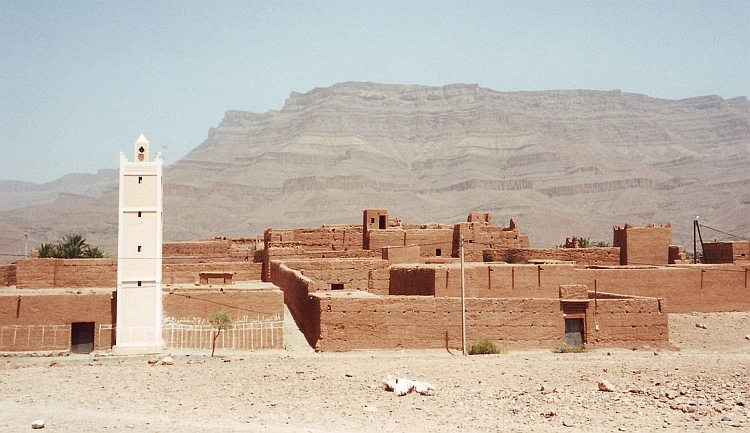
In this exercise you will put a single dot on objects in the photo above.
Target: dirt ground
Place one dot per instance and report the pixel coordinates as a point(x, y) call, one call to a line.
point(703, 386)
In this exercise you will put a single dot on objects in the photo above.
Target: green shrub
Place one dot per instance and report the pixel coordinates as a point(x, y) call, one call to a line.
point(483, 347)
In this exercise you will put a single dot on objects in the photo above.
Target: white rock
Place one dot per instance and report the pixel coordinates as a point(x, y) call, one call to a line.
point(606, 386)
point(167, 360)
point(403, 386)
point(37, 424)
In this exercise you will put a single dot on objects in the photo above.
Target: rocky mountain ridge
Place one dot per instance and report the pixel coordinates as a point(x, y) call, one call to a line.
point(561, 163)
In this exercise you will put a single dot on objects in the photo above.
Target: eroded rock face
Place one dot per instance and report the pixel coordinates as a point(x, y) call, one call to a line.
point(561, 163)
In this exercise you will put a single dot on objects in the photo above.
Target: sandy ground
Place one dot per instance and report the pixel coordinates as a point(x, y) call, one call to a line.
point(704, 386)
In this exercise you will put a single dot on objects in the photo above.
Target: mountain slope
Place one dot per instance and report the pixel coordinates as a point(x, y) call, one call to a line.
point(561, 163)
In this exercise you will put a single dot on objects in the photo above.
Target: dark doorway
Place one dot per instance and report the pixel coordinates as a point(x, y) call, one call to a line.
point(573, 332)
point(82, 337)
point(382, 222)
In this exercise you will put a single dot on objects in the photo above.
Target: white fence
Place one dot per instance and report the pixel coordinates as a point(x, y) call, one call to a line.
point(34, 337)
point(242, 336)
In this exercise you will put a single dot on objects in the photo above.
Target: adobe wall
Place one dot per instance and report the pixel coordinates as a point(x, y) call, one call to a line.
point(217, 249)
point(296, 288)
point(408, 254)
point(82, 273)
point(643, 245)
point(241, 305)
point(36, 321)
point(286, 252)
point(67, 273)
point(371, 275)
point(687, 288)
point(479, 236)
point(174, 273)
point(329, 237)
point(726, 252)
point(405, 322)
point(430, 240)
point(7, 275)
point(600, 256)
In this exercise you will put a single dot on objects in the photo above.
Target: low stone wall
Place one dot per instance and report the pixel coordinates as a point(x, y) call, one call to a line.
point(7, 275)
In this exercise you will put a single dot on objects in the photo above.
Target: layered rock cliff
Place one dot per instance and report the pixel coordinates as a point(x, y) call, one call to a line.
point(561, 163)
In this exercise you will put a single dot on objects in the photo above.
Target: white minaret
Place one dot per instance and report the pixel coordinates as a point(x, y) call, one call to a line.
point(139, 313)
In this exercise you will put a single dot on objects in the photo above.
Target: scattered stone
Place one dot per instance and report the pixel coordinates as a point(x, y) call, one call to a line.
point(567, 423)
point(726, 418)
point(747, 337)
point(153, 361)
point(606, 386)
point(11, 366)
point(701, 326)
point(55, 363)
point(37, 424)
point(167, 360)
point(671, 394)
point(370, 408)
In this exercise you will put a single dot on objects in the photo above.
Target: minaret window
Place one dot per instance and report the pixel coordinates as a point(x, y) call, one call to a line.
point(139, 248)
point(140, 179)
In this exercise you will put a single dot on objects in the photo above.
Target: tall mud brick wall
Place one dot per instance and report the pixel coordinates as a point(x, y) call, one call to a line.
point(66, 273)
point(726, 252)
point(7, 275)
point(397, 322)
point(432, 242)
point(643, 245)
point(686, 289)
point(41, 320)
point(297, 289)
point(241, 305)
point(371, 275)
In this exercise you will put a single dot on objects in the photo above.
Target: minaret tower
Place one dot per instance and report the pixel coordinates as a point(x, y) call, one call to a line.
point(139, 310)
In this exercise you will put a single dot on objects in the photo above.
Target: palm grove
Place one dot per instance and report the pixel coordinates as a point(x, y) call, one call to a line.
point(72, 246)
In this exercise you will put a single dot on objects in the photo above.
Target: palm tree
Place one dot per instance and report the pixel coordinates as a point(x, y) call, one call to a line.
point(94, 253)
point(46, 250)
point(71, 246)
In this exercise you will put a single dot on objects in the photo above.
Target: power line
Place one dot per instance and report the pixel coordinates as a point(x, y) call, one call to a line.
point(724, 233)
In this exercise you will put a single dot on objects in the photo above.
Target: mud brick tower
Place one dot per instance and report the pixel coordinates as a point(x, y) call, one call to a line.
point(139, 254)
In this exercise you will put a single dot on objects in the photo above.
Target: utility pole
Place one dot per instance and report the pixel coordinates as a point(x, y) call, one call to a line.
point(463, 300)
point(695, 255)
point(26, 246)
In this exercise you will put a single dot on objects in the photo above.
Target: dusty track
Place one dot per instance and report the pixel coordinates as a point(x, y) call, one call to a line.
point(702, 387)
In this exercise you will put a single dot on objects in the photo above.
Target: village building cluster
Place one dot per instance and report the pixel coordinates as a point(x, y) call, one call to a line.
point(382, 284)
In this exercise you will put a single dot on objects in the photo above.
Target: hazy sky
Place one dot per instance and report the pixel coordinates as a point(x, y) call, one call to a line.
point(80, 80)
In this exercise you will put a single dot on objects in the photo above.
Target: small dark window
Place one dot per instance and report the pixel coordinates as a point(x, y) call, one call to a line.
point(139, 284)
point(337, 286)
point(140, 179)
point(139, 214)
point(372, 220)
point(139, 248)
point(438, 252)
